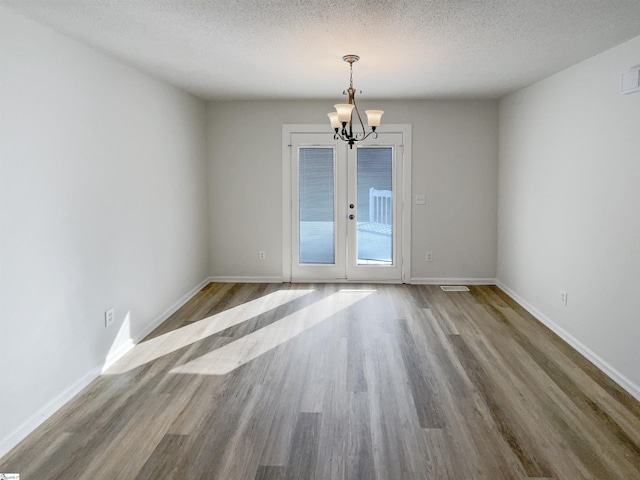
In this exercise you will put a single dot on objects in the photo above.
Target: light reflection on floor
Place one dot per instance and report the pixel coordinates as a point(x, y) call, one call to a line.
point(170, 342)
point(231, 356)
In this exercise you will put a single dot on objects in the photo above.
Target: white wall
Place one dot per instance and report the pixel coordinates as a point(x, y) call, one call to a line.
point(103, 204)
point(569, 207)
point(454, 164)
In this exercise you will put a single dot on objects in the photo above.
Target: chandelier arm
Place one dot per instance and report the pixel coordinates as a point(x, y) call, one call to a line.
point(375, 135)
point(339, 136)
point(359, 117)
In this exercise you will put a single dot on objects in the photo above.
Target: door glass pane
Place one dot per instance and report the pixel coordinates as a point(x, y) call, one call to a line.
point(375, 205)
point(316, 203)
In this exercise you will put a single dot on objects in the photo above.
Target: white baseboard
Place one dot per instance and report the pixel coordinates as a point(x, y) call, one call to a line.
point(38, 418)
point(118, 353)
point(417, 281)
point(139, 335)
point(245, 279)
point(597, 360)
point(453, 281)
point(45, 412)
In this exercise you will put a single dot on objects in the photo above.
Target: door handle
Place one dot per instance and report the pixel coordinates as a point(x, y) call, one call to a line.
point(351, 217)
point(351, 205)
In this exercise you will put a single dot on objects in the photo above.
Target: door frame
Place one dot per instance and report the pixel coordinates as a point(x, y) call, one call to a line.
point(287, 199)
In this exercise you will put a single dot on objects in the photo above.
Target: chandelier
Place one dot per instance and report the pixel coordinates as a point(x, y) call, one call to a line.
point(342, 118)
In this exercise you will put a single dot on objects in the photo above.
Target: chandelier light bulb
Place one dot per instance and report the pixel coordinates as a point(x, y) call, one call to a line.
point(374, 117)
point(344, 112)
point(333, 118)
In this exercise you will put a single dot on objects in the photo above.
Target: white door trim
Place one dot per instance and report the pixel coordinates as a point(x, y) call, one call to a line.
point(287, 156)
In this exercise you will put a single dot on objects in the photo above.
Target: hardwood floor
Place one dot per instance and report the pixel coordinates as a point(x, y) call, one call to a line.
point(323, 381)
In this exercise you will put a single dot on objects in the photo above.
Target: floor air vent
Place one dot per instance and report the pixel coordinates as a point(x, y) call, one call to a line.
point(454, 288)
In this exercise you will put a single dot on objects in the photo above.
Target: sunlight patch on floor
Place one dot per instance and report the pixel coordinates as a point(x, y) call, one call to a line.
point(170, 342)
point(231, 356)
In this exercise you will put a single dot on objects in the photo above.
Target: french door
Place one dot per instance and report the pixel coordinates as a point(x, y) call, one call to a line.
point(346, 208)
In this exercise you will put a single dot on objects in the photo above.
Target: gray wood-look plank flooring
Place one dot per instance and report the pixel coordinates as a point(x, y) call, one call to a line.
point(324, 381)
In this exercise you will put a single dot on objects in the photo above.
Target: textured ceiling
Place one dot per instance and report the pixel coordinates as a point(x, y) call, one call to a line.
point(262, 49)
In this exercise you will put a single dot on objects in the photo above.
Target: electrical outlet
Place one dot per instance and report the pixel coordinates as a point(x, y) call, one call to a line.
point(109, 316)
point(262, 255)
point(563, 297)
point(420, 200)
point(429, 256)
